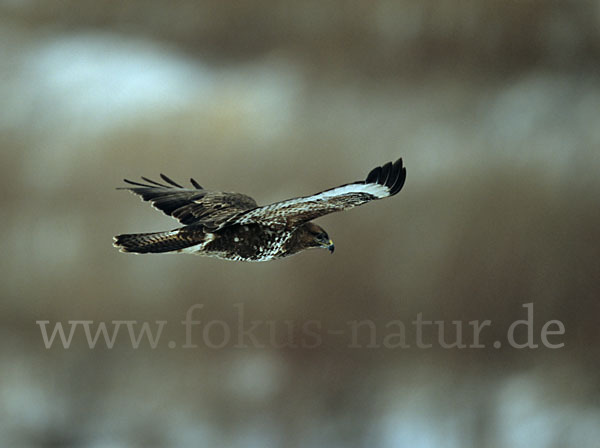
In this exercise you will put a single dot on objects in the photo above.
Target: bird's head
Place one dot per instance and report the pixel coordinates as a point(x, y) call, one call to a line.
point(316, 236)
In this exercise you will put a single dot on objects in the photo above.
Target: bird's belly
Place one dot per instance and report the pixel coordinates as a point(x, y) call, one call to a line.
point(247, 243)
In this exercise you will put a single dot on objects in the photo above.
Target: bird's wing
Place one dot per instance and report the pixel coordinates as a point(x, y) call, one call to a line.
point(383, 181)
point(196, 205)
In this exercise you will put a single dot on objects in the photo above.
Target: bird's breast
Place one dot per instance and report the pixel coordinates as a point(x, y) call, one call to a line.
point(249, 243)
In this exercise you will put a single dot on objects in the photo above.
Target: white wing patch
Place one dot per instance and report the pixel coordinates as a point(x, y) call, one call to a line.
point(311, 203)
point(377, 190)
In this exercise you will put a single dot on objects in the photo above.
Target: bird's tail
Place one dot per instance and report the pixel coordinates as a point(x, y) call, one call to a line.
point(157, 242)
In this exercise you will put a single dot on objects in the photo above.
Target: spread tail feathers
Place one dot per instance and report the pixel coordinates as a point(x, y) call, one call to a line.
point(157, 242)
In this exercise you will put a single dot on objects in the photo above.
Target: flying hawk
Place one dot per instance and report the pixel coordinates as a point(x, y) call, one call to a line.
point(234, 227)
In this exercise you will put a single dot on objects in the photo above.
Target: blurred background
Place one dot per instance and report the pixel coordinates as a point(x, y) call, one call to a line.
point(494, 106)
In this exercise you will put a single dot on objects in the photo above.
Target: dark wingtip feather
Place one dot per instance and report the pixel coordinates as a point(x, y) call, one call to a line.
point(195, 184)
point(170, 181)
point(138, 184)
point(154, 182)
point(373, 175)
point(386, 170)
point(394, 176)
point(391, 175)
point(401, 179)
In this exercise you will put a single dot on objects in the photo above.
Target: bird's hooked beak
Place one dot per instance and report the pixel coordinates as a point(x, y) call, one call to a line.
point(322, 240)
point(330, 246)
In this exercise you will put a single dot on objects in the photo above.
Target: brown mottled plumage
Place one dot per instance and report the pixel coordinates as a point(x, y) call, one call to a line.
point(234, 227)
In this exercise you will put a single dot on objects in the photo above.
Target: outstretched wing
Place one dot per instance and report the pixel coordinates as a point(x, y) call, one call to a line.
point(383, 181)
point(212, 209)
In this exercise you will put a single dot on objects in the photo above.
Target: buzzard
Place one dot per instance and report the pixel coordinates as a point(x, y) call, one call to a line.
point(234, 227)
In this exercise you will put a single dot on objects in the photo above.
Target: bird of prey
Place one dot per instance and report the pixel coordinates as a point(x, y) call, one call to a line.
point(233, 226)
